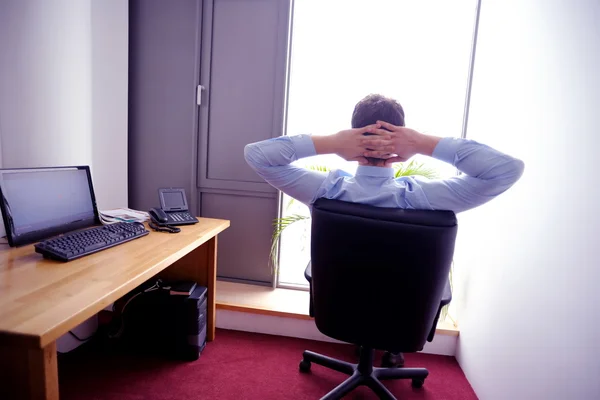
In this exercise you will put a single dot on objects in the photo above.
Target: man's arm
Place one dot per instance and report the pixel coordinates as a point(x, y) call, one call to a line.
point(486, 172)
point(272, 158)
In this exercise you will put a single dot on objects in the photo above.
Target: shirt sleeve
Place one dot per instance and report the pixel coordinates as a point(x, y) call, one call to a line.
point(486, 173)
point(272, 160)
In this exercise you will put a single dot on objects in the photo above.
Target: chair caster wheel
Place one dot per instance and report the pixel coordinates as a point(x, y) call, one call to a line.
point(304, 366)
point(418, 383)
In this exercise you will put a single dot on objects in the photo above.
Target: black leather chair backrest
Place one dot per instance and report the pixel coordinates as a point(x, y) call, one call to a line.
point(378, 273)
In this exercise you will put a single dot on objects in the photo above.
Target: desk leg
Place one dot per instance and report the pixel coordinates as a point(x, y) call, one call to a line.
point(211, 278)
point(200, 265)
point(29, 373)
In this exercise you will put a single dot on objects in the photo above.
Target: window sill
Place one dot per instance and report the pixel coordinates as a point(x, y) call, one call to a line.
point(279, 302)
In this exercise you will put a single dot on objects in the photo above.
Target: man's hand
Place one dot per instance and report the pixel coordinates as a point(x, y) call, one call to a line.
point(405, 143)
point(349, 143)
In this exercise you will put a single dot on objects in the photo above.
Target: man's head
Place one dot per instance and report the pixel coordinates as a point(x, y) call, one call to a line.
point(373, 108)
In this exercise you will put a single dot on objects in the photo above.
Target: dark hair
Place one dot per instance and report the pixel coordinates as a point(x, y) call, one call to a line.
point(376, 107)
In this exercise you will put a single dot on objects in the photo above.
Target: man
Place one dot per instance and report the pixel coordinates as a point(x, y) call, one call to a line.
point(379, 138)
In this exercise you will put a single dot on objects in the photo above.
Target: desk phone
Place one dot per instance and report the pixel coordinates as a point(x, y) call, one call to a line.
point(173, 208)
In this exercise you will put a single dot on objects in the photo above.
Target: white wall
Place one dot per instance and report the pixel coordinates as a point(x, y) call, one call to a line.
point(110, 63)
point(45, 81)
point(63, 89)
point(529, 260)
point(63, 94)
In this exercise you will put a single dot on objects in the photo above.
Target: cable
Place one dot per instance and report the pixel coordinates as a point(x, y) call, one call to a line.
point(119, 332)
point(163, 228)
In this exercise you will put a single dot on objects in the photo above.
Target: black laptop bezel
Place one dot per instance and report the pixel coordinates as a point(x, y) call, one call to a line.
point(42, 234)
point(163, 205)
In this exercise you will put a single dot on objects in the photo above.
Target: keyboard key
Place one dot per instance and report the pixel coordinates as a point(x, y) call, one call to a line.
point(95, 246)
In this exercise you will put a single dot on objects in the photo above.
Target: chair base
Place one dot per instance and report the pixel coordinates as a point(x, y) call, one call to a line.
point(362, 373)
point(389, 360)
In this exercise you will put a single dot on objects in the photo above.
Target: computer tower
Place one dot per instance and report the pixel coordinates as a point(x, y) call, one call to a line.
point(156, 322)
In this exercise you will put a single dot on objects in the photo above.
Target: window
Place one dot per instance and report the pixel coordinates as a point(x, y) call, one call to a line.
point(414, 51)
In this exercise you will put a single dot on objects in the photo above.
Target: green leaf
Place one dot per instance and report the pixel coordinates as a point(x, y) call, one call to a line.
point(320, 168)
point(413, 168)
point(290, 203)
point(280, 224)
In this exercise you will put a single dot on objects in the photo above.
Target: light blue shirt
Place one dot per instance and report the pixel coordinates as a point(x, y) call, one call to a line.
point(486, 174)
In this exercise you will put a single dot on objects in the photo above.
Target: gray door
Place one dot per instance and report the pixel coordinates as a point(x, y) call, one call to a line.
point(243, 71)
point(164, 38)
point(237, 51)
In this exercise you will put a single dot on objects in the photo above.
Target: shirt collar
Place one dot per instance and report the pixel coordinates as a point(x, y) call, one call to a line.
point(382, 172)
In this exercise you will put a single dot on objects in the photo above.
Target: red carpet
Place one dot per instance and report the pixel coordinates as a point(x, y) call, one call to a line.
point(240, 365)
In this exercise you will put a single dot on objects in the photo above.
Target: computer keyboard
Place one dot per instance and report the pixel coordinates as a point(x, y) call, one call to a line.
point(81, 243)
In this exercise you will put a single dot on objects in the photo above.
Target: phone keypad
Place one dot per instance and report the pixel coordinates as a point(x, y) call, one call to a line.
point(181, 216)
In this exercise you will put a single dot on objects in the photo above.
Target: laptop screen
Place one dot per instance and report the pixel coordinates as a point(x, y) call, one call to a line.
point(42, 202)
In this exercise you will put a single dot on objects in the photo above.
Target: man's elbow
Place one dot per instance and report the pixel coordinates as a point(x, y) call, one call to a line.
point(250, 154)
point(518, 168)
point(513, 170)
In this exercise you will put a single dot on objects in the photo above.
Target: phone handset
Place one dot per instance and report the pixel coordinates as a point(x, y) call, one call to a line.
point(158, 215)
point(159, 221)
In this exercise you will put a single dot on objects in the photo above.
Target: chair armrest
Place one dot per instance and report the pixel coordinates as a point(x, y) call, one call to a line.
point(446, 298)
point(447, 295)
point(308, 273)
point(308, 276)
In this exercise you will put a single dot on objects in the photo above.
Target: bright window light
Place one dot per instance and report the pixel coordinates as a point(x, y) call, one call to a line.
point(416, 52)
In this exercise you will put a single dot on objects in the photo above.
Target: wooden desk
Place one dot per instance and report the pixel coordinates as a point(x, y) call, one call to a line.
point(41, 300)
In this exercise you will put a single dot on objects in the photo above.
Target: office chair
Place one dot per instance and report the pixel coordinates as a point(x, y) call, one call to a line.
point(378, 279)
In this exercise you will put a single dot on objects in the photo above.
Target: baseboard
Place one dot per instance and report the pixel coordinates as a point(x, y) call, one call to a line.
point(442, 344)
